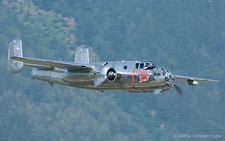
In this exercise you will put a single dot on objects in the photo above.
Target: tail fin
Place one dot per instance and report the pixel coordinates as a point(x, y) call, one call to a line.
point(82, 55)
point(15, 49)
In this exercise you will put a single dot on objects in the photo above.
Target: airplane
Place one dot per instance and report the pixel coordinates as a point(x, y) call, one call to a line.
point(131, 76)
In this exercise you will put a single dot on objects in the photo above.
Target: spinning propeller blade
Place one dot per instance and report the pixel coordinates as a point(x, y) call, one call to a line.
point(179, 90)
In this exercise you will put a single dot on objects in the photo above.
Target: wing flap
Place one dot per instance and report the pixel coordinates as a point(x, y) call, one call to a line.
point(70, 66)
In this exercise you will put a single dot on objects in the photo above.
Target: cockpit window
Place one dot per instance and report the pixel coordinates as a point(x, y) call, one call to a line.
point(145, 65)
point(149, 63)
point(150, 68)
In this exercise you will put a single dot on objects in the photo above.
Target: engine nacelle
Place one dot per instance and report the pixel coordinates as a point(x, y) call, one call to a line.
point(192, 82)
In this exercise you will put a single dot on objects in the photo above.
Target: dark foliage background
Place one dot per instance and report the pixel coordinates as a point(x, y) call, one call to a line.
point(186, 36)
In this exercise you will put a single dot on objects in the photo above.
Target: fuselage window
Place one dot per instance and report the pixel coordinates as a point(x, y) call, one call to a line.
point(125, 67)
point(136, 65)
point(141, 65)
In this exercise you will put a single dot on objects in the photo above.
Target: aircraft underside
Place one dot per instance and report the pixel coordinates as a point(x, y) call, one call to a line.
point(123, 83)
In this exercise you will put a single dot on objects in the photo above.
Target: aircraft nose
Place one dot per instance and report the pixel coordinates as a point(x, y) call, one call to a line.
point(157, 71)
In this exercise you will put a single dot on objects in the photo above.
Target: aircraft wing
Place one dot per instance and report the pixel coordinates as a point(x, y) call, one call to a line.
point(193, 80)
point(43, 63)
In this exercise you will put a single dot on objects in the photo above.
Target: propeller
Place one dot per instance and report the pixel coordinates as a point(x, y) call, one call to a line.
point(111, 74)
point(179, 90)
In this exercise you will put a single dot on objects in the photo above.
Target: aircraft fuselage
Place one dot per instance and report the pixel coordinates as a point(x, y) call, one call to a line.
point(132, 77)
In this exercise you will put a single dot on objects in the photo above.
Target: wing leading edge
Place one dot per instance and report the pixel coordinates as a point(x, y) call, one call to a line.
point(193, 80)
point(43, 63)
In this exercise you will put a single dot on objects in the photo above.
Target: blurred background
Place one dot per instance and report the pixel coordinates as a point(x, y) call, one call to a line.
point(185, 36)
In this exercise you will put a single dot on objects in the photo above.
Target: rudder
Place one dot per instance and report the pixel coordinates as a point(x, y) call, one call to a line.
point(15, 49)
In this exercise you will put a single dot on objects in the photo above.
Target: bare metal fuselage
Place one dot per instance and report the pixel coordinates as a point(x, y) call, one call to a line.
point(130, 79)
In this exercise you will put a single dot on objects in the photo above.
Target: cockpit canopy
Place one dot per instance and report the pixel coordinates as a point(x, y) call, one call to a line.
point(145, 65)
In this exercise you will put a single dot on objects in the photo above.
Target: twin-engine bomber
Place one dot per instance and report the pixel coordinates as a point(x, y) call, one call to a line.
point(132, 76)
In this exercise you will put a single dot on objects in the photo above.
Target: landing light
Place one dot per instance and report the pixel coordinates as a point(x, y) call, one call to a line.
point(195, 82)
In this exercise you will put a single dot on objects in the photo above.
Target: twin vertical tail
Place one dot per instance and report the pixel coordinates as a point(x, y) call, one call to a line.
point(15, 49)
point(82, 55)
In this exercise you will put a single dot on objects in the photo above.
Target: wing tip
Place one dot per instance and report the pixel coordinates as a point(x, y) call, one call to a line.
point(216, 81)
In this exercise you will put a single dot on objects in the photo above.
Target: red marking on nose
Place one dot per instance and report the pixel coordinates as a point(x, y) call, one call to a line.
point(142, 72)
point(143, 78)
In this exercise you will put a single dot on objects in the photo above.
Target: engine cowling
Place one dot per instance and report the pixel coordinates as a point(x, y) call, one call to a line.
point(111, 75)
point(104, 73)
point(192, 82)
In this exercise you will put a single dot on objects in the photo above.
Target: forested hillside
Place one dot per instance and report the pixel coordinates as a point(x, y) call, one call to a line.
point(186, 36)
